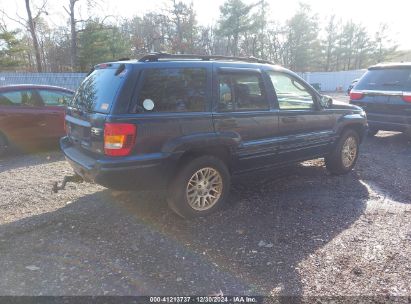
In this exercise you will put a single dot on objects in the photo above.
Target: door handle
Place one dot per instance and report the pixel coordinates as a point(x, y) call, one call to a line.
point(291, 119)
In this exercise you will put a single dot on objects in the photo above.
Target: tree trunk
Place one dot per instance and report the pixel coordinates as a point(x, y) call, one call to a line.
point(235, 44)
point(73, 32)
point(32, 28)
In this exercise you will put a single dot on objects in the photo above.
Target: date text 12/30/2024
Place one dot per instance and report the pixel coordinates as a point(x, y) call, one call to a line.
point(206, 299)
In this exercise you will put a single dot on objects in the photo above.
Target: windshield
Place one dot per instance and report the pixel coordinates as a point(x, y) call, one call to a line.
point(98, 91)
point(398, 79)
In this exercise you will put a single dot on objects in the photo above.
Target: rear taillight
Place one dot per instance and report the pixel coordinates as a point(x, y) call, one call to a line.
point(119, 138)
point(406, 96)
point(356, 95)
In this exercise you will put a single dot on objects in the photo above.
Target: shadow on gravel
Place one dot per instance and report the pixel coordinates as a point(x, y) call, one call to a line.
point(385, 163)
point(131, 244)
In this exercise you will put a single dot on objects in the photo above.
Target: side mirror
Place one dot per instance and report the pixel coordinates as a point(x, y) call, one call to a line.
point(326, 101)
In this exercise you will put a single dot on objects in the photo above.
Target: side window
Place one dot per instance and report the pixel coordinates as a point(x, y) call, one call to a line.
point(25, 98)
point(173, 90)
point(241, 92)
point(54, 98)
point(291, 93)
point(10, 98)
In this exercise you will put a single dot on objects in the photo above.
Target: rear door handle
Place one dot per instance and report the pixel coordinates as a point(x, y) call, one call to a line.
point(291, 119)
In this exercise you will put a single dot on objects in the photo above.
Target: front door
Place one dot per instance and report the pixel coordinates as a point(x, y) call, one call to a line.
point(306, 129)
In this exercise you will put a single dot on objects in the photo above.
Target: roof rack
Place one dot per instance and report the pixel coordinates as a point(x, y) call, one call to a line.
point(153, 57)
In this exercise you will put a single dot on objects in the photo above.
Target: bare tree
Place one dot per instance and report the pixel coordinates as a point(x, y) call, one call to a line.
point(30, 24)
point(32, 28)
point(73, 32)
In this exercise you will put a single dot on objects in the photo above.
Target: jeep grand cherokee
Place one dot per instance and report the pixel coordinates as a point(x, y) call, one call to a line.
point(189, 123)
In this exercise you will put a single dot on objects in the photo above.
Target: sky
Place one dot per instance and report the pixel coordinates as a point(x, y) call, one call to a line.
point(395, 13)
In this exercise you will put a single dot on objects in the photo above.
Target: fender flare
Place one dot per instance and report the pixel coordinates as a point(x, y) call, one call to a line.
point(355, 120)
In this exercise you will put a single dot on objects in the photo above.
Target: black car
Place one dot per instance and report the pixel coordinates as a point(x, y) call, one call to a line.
point(384, 92)
point(189, 123)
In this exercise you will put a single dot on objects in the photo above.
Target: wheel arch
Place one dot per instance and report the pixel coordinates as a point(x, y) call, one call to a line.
point(357, 127)
point(221, 152)
point(353, 121)
point(193, 146)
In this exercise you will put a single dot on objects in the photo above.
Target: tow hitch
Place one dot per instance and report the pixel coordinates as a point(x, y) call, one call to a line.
point(67, 179)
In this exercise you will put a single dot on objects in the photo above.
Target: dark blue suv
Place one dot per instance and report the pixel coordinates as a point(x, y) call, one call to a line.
point(188, 123)
point(384, 92)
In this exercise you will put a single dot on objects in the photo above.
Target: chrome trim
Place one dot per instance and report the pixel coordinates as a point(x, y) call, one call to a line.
point(381, 92)
point(77, 121)
point(96, 131)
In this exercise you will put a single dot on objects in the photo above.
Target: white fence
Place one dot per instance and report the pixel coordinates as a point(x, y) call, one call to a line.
point(327, 81)
point(65, 80)
point(332, 81)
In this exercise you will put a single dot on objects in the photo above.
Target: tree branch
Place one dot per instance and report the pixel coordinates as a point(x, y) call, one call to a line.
point(24, 24)
point(41, 10)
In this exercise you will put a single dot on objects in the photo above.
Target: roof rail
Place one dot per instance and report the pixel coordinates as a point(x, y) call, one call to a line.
point(153, 57)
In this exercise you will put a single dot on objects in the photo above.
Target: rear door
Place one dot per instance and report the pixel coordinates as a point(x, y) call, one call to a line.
point(22, 116)
point(306, 130)
point(242, 110)
point(54, 110)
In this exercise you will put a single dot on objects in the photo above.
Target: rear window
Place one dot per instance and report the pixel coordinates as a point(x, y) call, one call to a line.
point(55, 98)
point(386, 80)
point(98, 91)
point(173, 90)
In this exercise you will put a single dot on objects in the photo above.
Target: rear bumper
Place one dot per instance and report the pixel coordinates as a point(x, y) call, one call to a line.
point(147, 172)
point(389, 122)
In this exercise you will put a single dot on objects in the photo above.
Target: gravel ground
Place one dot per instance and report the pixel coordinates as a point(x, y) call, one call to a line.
point(293, 231)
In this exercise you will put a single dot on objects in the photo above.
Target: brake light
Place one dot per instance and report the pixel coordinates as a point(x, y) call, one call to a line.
point(119, 138)
point(356, 95)
point(406, 96)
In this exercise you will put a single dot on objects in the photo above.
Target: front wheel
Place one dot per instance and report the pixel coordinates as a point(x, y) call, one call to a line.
point(345, 154)
point(200, 188)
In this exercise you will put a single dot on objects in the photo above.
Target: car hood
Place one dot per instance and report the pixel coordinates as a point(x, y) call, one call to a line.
point(337, 104)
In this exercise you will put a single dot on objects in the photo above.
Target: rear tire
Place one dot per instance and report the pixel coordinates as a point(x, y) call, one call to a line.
point(200, 187)
point(345, 154)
